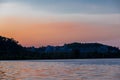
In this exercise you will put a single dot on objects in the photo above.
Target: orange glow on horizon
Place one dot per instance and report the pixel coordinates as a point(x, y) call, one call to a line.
point(39, 33)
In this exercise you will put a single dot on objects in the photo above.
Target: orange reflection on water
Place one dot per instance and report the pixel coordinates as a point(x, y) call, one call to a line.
point(26, 70)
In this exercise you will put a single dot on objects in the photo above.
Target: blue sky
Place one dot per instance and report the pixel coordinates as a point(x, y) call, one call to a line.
point(73, 6)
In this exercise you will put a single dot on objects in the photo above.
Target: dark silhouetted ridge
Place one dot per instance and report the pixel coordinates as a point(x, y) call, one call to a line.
point(10, 49)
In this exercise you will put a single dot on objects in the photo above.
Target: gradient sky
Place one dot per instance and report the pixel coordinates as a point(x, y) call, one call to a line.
point(55, 22)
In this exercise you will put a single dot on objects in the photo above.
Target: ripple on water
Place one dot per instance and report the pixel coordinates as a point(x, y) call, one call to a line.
point(24, 70)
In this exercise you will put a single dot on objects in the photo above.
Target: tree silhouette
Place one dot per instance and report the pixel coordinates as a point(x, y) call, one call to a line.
point(11, 49)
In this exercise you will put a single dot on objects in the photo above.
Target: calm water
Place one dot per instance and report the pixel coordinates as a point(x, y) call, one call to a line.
point(93, 69)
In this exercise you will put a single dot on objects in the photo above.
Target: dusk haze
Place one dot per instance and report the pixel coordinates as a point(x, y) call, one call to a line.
point(55, 22)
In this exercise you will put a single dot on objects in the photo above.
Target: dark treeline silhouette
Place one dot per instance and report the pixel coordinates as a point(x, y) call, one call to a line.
point(10, 49)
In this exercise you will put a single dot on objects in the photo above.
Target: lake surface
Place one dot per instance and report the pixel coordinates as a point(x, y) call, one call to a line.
point(76, 69)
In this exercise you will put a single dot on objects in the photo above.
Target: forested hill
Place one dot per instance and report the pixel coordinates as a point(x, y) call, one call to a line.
point(9, 44)
point(10, 49)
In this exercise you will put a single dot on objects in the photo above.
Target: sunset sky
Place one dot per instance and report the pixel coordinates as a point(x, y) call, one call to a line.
point(55, 22)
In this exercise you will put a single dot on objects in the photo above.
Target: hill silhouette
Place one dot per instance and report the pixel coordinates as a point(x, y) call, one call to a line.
point(10, 49)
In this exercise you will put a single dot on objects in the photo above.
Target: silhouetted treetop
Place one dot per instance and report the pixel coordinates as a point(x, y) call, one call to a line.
point(9, 44)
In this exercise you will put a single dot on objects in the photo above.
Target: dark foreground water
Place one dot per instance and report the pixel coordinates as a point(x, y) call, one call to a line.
point(87, 69)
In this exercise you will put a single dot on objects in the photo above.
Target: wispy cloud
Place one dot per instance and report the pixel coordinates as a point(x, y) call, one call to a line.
point(7, 9)
point(29, 10)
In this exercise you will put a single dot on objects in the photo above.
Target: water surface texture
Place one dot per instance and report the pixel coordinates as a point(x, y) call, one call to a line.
point(87, 69)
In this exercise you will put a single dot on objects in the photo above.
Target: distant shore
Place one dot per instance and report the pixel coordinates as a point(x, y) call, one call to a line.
point(10, 49)
point(54, 59)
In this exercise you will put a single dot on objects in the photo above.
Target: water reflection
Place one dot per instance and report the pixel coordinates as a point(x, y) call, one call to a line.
point(24, 70)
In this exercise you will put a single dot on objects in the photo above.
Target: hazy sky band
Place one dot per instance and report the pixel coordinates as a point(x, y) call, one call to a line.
point(96, 11)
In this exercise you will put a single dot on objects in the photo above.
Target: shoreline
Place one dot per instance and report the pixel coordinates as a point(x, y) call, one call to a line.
point(60, 59)
point(54, 59)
